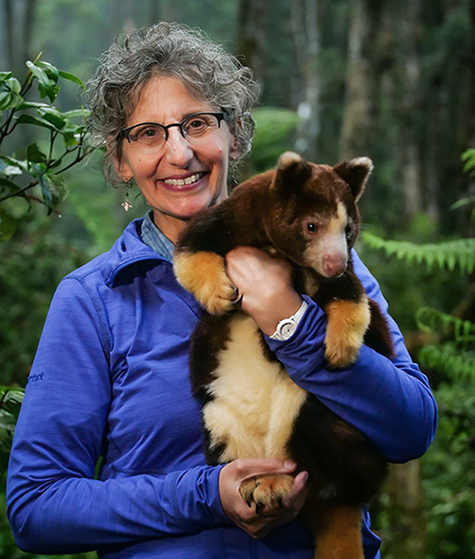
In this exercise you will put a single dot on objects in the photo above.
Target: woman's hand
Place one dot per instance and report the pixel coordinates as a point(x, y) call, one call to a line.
point(265, 284)
point(259, 525)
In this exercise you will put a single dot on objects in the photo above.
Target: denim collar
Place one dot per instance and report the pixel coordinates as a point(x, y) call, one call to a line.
point(155, 239)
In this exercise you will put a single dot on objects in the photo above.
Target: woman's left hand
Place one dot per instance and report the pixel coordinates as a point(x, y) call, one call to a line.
point(245, 516)
point(265, 284)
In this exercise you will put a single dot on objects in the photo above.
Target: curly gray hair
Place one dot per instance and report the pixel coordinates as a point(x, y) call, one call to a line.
point(174, 50)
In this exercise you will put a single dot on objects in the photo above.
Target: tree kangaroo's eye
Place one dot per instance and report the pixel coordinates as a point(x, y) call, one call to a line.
point(312, 227)
point(348, 230)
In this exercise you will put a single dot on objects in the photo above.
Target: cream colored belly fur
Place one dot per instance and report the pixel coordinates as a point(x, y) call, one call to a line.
point(255, 402)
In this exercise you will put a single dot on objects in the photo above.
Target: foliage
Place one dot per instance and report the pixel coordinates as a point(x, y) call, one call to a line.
point(275, 133)
point(31, 265)
point(37, 177)
point(459, 253)
point(37, 255)
point(407, 285)
point(452, 356)
point(469, 158)
point(449, 476)
point(449, 479)
point(10, 403)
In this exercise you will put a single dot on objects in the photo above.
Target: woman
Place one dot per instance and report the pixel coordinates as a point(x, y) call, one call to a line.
point(109, 384)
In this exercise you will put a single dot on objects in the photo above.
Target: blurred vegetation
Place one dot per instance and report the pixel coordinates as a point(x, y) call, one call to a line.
point(54, 218)
point(443, 342)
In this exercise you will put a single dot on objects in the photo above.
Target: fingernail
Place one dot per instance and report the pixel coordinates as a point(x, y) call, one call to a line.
point(289, 465)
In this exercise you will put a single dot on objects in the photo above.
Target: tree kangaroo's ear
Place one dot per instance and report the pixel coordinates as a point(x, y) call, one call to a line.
point(292, 171)
point(355, 173)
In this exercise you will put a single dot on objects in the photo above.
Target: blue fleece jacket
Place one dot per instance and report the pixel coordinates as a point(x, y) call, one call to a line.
point(110, 380)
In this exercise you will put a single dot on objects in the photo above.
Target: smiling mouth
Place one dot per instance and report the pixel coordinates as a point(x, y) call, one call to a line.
point(186, 181)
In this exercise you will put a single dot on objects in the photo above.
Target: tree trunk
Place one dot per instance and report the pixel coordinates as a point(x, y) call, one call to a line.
point(28, 28)
point(306, 37)
point(251, 35)
point(20, 25)
point(467, 226)
point(410, 161)
point(406, 512)
point(9, 35)
point(362, 85)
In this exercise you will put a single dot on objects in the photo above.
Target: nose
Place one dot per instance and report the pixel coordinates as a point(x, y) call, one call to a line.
point(178, 150)
point(334, 264)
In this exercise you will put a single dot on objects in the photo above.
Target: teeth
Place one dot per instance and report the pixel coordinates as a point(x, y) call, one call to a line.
point(183, 182)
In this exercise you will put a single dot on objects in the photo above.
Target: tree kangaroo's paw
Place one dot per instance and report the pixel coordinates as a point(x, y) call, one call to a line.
point(204, 275)
point(346, 327)
point(266, 491)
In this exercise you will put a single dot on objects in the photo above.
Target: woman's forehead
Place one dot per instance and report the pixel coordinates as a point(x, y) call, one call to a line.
point(166, 97)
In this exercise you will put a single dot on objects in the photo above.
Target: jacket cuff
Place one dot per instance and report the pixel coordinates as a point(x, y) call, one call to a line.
point(305, 349)
point(195, 496)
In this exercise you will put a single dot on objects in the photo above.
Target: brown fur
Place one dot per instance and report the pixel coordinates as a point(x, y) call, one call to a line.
point(306, 214)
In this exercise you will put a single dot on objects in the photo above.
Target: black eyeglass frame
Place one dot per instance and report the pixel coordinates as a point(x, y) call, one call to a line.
point(125, 132)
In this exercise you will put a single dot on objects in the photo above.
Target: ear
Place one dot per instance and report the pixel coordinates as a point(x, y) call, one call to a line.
point(291, 168)
point(355, 173)
point(235, 148)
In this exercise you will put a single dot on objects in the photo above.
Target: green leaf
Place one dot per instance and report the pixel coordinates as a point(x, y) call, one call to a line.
point(77, 113)
point(12, 162)
point(32, 105)
point(448, 254)
point(58, 189)
point(39, 73)
point(70, 138)
point(53, 116)
point(5, 76)
point(47, 82)
point(9, 185)
point(34, 154)
point(12, 85)
point(7, 225)
point(10, 96)
point(38, 170)
point(71, 78)
point(53, 187)
point(30, 119)
point(51, 71)
point(12, 399)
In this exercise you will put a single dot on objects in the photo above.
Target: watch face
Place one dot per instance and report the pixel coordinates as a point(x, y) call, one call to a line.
point(286, 328)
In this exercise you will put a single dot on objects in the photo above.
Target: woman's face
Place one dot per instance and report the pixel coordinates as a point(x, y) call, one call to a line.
point(181, 178)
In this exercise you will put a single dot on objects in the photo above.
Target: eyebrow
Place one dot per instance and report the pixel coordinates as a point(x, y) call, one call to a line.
point(187, 115)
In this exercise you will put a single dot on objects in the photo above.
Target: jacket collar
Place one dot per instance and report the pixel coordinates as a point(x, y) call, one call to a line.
point(128, 250)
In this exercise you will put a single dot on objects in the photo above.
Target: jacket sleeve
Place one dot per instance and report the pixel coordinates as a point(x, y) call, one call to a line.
point(390, 401)
point(54, 504)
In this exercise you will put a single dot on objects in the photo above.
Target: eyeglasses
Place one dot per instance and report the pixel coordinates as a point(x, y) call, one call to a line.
point(151, 136)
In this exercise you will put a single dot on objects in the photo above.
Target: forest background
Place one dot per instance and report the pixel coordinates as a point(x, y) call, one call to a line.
point(390, 79)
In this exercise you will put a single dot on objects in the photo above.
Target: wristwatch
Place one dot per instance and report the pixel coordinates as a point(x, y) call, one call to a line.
point(287, 326)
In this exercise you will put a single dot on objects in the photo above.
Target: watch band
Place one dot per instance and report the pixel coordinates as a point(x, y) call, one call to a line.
point(287, 326)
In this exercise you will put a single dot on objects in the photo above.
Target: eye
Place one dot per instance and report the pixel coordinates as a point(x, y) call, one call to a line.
point(348, 230)
point(150, 132)
point(196, 125)
point(312, 227)
point(147, 134)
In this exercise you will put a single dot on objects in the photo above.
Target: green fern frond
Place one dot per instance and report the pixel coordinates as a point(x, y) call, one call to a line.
point(449, 254)
point(432, 320)
point(447, 359)
point(469, 158)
